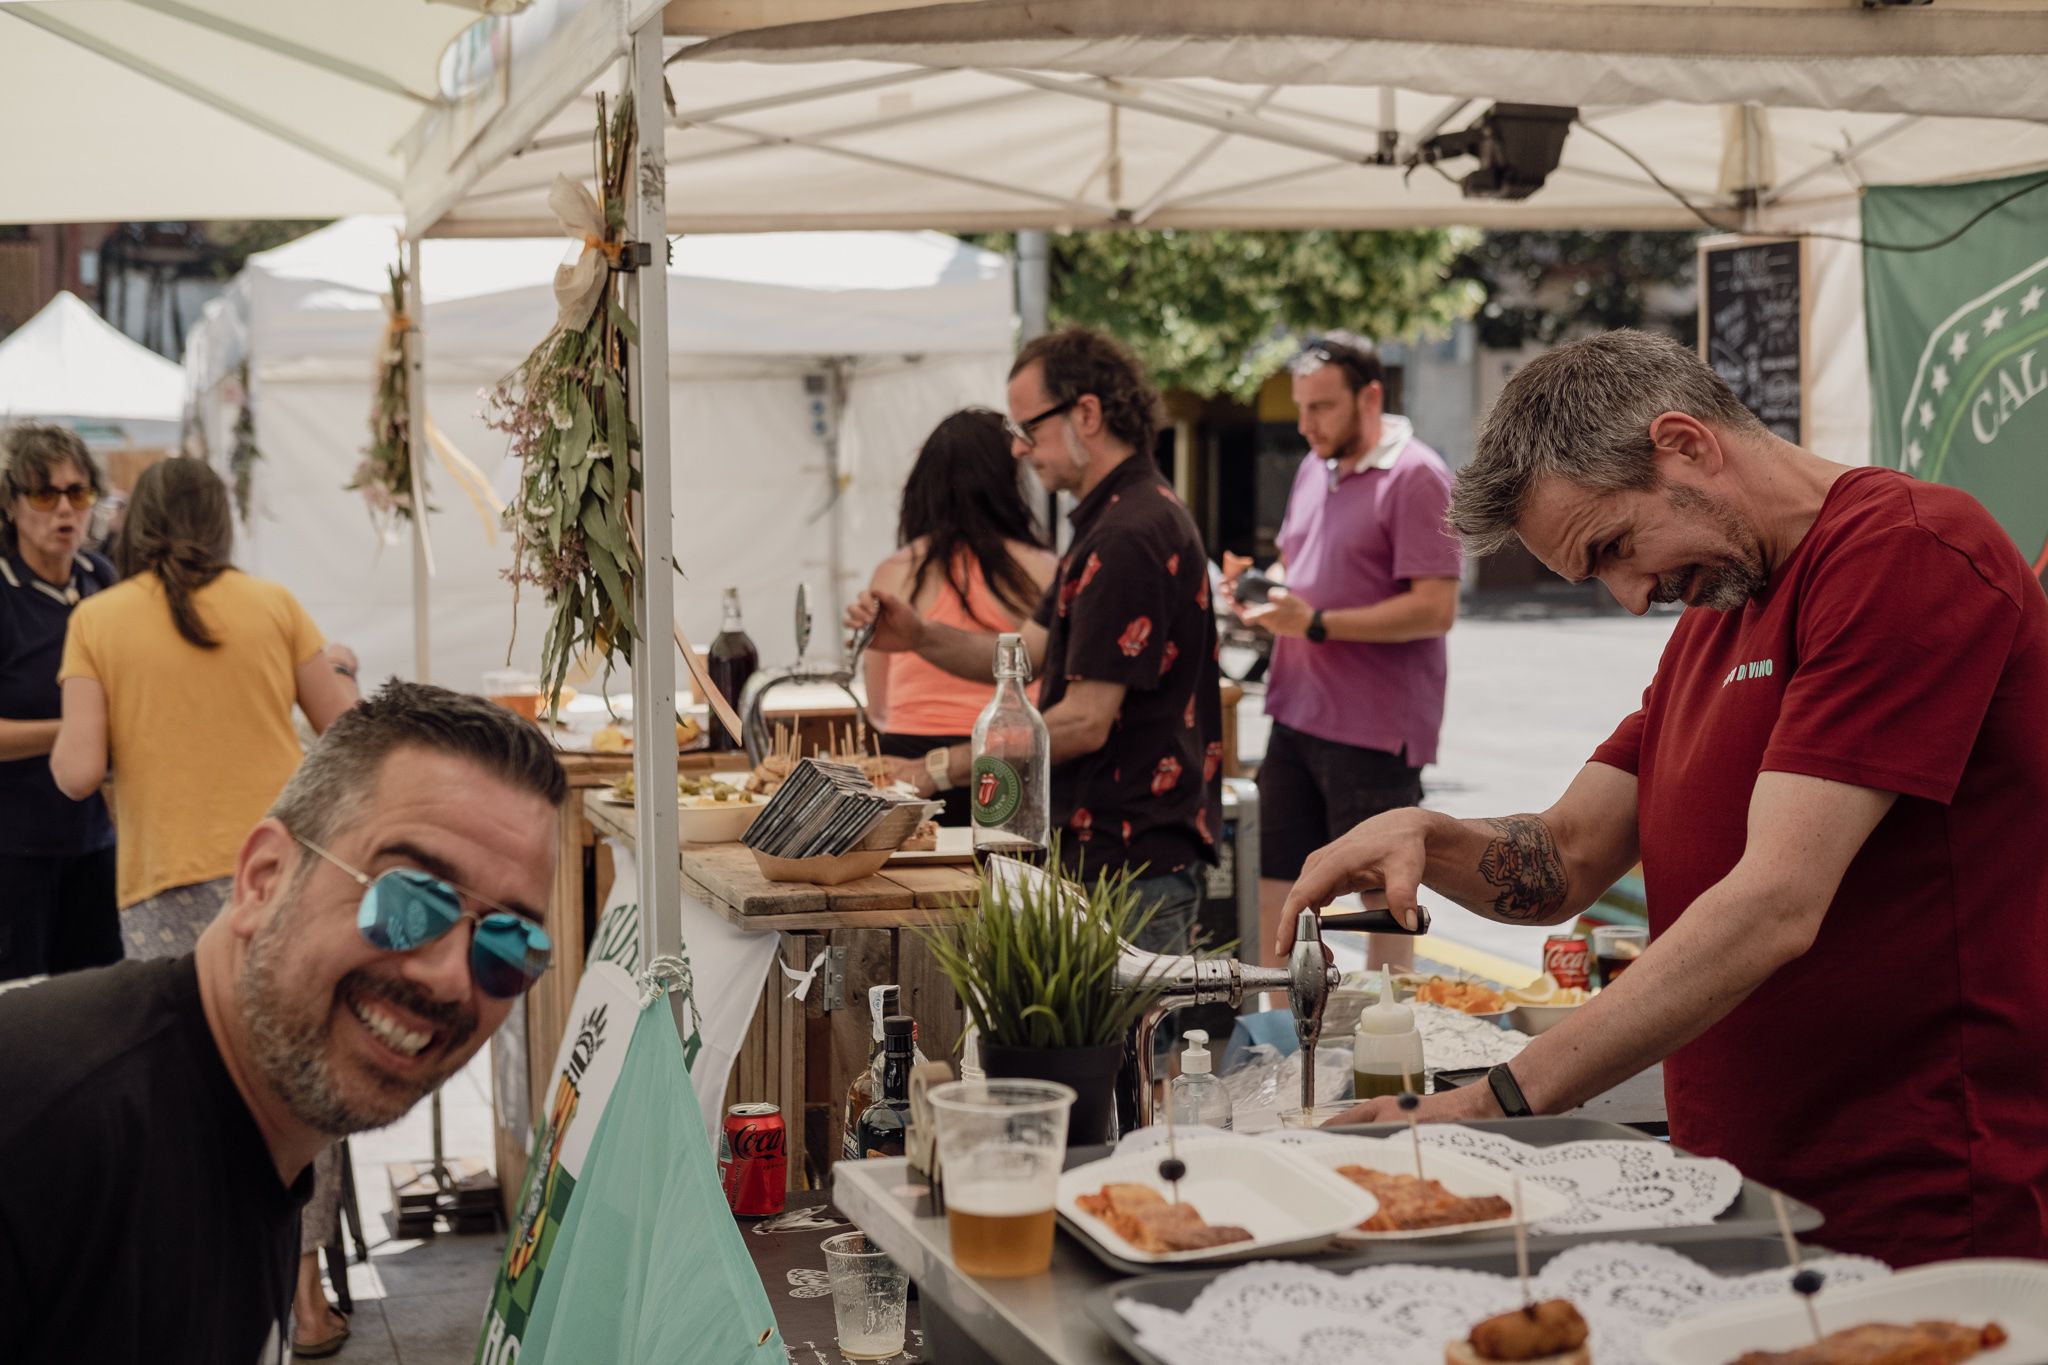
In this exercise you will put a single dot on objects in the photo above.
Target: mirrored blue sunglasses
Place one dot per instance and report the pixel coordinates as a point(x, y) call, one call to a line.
point(405, 908)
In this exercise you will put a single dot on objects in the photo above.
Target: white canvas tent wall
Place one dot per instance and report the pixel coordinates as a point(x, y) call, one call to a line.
point(921, 322)
point(68, 365)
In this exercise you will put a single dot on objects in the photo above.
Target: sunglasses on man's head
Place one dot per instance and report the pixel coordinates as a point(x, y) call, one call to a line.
point(406, 908)
point(79, 495)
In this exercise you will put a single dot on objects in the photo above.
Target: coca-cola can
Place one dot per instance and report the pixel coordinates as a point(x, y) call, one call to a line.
point(1568, 961)
point(753, 1160)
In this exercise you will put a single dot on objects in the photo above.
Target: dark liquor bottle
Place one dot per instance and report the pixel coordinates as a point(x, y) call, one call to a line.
point(883, 1122)
point(732, 659)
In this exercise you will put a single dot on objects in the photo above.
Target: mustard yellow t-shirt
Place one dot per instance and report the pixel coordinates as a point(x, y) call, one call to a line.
point(201, 740)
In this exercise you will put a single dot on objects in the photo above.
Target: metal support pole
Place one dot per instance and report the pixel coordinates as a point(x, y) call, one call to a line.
point(1034, 301)
point(416, 436)
point(654, 596)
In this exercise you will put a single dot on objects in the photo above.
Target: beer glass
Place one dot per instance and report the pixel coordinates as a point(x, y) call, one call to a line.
point(1002, 1144)
point(868, 1295)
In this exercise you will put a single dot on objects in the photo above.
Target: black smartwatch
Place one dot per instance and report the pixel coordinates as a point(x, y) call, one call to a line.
point(1317, 632)
point(1507, 1093)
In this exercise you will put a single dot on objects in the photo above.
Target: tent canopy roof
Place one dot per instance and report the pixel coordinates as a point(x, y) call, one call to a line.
point(68, 361)
point(316, 302)
point(1284, 113)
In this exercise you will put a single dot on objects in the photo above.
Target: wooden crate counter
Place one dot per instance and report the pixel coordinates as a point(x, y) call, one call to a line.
point(803, 1054)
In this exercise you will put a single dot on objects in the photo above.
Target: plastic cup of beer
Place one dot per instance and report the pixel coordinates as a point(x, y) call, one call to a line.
point(1002, 1144)
point(868, 1293)
point(1615, 946)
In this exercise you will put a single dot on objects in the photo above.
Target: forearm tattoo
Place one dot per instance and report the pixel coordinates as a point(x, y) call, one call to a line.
point(1524, 863)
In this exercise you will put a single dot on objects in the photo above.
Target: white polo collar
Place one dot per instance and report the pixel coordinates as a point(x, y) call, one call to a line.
point(1395, 432)
point(68, 595)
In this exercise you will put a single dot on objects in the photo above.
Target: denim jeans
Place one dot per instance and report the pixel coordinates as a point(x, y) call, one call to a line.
point(1175, 900)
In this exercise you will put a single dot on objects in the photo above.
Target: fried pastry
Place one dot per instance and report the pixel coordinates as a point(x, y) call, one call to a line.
point(1410, 1205)
point(1141, 1216)
point(1885, 1343)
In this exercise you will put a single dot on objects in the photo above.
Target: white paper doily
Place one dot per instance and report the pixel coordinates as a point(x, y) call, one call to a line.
point(1287, 1313)
point(1614, 1185)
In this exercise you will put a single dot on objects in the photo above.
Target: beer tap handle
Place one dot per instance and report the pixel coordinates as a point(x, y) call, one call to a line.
point(1375, 922)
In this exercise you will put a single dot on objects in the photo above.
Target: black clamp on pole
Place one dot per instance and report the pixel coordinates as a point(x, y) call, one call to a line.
point(633, 255)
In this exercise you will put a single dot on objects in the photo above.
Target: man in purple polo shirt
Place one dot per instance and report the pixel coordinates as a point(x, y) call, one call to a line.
point(1356, 689)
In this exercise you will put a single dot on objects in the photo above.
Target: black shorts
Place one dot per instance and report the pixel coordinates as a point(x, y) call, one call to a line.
point(1312, 791)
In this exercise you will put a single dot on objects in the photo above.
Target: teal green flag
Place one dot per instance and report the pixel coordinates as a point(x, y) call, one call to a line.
point(1959, 346)
point(649, 1268)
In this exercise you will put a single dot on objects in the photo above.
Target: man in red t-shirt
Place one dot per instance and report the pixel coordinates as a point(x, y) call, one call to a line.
point(1837, 786)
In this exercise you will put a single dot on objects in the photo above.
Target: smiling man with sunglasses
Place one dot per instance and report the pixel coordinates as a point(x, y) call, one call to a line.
point(161, 1116)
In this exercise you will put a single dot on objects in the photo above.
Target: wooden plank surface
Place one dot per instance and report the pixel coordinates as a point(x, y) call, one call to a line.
point(869, 893)
point(929, 997)
point(729, 873)
point(937, 888)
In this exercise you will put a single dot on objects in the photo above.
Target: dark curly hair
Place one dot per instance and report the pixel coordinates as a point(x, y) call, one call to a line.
point(1081, 360)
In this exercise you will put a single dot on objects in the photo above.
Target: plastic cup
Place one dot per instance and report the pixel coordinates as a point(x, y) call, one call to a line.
point(1002, 1144)
point(1615, 946)
point(1316, 1117)
point(868, 1293)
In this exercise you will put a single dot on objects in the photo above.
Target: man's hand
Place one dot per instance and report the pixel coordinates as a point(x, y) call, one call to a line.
point(1473, 1101)
point(1234, 566)
point(1382, 860)
point(1283, 613)
point(898, 628)
point(913, 773)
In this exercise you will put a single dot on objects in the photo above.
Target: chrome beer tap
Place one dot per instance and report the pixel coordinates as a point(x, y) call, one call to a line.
point(1308, 979)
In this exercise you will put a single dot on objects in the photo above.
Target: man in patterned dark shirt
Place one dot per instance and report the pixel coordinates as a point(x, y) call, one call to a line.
point(1124, 640)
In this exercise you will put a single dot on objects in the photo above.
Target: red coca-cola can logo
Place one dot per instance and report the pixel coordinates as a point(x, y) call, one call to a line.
point(753, 1159)
point(1568, 961)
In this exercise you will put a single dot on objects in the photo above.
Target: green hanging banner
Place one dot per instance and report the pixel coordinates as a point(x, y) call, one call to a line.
point(1959, 345)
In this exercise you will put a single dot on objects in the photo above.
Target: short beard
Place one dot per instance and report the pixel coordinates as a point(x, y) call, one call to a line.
point(1728, 586)
point(289, 1036)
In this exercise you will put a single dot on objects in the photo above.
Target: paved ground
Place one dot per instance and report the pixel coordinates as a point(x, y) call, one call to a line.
point(1531, 694)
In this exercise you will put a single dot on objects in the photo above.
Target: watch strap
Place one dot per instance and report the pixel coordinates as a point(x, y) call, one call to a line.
point(939, 763)
point(1509, 1094)
point(1317, 632)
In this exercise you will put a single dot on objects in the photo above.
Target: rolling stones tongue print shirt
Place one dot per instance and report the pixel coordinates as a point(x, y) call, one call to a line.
point(1131, 605)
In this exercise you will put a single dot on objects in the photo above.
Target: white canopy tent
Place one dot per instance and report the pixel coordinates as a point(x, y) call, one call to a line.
point(70, 366)
point(1277, 113)
point(908, 326)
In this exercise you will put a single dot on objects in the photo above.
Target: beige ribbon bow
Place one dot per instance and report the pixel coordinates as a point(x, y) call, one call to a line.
point(580, 285)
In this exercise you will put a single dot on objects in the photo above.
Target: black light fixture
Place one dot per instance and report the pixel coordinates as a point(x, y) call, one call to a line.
point(1517, 147)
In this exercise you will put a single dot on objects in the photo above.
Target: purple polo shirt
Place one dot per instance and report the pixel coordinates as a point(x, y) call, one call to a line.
point(1362, 543)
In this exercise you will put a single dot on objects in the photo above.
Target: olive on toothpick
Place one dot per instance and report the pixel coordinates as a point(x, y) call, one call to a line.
point(1808, 1282)
point(1409, 1103)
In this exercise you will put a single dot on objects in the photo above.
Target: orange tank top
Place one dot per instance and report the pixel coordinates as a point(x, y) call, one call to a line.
point(925, 699)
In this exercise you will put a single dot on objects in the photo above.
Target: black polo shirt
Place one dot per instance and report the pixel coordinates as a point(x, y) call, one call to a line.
point(1131, 606)
point(37, 820)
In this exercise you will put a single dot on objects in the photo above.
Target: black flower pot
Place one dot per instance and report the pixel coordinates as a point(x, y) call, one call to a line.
point(1090, 1071)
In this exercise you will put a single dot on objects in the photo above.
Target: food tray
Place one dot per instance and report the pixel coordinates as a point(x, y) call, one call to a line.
point(1461, 1175)
point(2014, 1294)
point(1751, 1214)
point(1287, 1203)
point(1176, 1291)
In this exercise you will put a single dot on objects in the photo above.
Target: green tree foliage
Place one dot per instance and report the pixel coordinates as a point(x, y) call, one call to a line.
point(1217, 312)
point(1546, 287)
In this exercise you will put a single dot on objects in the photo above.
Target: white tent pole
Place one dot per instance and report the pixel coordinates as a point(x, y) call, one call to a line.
point(654, 593)
point(415, 338)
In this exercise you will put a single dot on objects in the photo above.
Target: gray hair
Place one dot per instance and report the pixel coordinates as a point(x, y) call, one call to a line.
point(328, 791)
point(1582, 413)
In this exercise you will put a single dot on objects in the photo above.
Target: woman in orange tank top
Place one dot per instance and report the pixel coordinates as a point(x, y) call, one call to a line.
point(972, 556)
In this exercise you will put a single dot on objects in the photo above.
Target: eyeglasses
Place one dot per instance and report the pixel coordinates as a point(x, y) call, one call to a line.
point(405, 908)
point(1020, 432)
point(79, 495)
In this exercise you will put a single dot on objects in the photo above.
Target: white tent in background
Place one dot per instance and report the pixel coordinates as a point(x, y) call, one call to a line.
point(70, 366)
point(766, 330)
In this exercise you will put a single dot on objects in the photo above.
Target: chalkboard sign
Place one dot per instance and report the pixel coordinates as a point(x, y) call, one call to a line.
point(1753, 325)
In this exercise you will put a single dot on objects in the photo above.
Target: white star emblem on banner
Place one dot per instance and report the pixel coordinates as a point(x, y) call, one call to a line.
point(1927, 414)
point(1994, 320)
point(1940, 379)
point(1913, 454)
point(1958, 346)
point(2031, 300)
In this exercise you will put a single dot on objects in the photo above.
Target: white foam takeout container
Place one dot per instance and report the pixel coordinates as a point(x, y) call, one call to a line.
point(2011, 1293)
point(1463, 1176)
point(1287, 1203)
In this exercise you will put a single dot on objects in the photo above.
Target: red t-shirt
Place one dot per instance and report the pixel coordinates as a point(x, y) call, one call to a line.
point(1896, 1075)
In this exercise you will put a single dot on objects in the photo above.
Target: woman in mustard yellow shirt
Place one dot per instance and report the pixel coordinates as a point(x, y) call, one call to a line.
point(182, 678)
